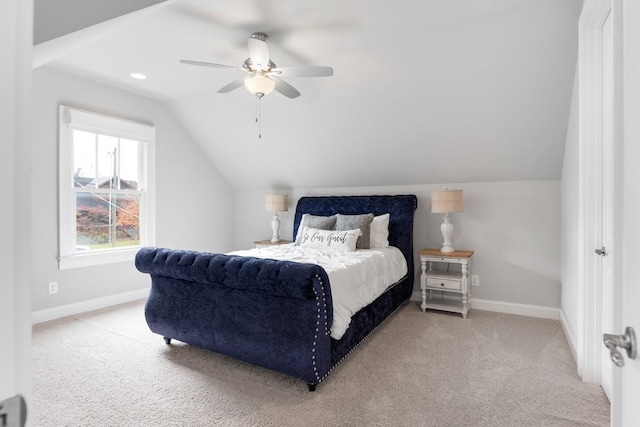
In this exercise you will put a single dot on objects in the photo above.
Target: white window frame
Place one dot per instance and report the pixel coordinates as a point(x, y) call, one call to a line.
point(74, 119)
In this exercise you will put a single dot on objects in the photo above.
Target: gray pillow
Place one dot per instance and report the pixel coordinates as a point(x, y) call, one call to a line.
point(315, 221)
point(351, 222)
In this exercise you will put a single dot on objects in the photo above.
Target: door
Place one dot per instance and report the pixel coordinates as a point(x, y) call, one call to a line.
point(606, 170)
point(628, 409)
point(624, 382)
point(609, 70)
point(7, 193)
point(16, 17)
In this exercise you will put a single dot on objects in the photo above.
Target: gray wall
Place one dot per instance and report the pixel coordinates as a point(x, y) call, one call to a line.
point(193, 201)
point(513, 227)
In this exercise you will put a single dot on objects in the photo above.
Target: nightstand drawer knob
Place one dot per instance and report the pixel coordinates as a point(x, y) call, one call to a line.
point(441, 284)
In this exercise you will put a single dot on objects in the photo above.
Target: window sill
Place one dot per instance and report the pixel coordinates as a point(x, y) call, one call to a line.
point(97, 258)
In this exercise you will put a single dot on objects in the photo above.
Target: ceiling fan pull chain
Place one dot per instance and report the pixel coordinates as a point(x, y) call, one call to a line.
point(259, 113)
point(257, 100)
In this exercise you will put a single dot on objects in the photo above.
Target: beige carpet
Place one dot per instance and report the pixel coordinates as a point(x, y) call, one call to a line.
point(106, 368)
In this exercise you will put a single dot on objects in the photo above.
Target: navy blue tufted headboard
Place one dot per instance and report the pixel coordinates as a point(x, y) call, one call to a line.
point(401, 209)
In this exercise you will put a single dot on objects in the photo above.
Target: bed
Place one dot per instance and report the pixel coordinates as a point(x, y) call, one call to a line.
point(273, 313)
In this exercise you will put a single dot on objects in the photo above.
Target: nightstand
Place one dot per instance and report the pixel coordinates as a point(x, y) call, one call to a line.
point(265, 243)
point(436, 278)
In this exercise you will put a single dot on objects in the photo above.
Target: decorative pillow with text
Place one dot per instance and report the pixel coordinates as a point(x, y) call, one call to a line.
point(315, 221)
point(341, 241)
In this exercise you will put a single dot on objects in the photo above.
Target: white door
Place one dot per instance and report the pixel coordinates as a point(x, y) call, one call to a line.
point(16, 17)
point(627, 410)
point(610, 196)
point(606, 170)
point(7, 194)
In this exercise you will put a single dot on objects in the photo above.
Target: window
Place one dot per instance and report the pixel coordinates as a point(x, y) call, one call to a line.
point(106, 188)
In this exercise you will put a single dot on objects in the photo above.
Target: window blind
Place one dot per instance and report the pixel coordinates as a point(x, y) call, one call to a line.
point(107, 125)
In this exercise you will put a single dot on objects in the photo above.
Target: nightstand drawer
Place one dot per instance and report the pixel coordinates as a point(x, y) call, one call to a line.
point(448, 284)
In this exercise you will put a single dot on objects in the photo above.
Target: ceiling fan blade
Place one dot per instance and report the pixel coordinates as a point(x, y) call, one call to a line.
point(233, 85)
point(303, 71)
point(285, 88)
point(210, 64)
point(258, 51)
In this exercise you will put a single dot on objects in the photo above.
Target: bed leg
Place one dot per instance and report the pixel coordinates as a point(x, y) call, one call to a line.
point(312, 387)
point(167, 340)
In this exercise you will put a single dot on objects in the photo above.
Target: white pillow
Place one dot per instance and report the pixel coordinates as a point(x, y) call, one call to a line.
point(379, 234)
point(341, 241)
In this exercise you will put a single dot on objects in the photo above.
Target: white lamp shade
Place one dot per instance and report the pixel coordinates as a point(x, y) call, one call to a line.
point(259, 84)
point(447, 201)
point(276, 203)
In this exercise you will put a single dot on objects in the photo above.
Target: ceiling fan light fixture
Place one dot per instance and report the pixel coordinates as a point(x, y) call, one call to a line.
point(259, 84)
point(263, 75)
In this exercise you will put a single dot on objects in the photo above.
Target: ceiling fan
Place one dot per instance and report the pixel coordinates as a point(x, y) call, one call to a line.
point(263, 74)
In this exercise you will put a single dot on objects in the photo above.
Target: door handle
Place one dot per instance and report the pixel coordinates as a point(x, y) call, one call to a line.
point(601, 252)
point(13, 412)
point(626, 341)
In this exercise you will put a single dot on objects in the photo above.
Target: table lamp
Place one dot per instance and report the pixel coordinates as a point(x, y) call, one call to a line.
point(276, 203)
point(446, 202)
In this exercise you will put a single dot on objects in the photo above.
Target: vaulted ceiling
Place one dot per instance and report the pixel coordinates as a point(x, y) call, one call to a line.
point(424, 91)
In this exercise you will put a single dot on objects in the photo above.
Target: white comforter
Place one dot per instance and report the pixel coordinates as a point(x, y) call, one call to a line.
point(356, 278)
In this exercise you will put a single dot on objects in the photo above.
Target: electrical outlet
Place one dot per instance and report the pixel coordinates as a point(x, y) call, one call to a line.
point(53, 288)
point(475, 280)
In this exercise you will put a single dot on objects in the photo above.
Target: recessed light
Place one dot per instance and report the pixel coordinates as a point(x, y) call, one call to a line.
point(138, 76)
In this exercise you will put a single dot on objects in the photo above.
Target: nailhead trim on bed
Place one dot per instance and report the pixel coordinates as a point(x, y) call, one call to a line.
point(359, 342)
point(322, 309)
point(357, 345)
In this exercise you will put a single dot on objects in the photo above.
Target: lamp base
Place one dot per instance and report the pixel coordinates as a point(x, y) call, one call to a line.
point(275, 227)
point(447, 249)
point(447, 231)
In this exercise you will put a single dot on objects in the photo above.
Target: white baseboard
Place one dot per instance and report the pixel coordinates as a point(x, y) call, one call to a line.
point(508, 307)
point(569, 335)
point(476, 304)
point(85, 306)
